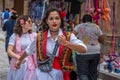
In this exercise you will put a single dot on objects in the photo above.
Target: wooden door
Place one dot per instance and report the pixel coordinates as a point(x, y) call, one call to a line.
point(19, 6)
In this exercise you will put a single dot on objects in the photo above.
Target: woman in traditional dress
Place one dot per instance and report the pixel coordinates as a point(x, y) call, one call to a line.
point(19, 41)
point(53, 30)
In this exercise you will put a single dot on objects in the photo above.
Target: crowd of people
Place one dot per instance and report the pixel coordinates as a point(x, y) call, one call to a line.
point(30, 50)
point(31, 41)
point(8, 27)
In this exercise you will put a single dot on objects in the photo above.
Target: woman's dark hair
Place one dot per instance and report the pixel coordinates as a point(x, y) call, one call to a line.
point(18, 27)
point(87, 18)
point(44, 25)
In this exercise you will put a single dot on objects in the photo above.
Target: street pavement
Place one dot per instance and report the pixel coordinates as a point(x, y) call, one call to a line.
point(3, 57)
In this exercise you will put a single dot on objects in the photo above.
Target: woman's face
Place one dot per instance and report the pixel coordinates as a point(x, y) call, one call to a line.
point(28, 24)
point(53, 21)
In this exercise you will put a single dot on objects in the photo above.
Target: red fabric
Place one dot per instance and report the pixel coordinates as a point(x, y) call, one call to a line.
point(56, 63)
point(66, 75)
point(45, 42)
point(96, 14)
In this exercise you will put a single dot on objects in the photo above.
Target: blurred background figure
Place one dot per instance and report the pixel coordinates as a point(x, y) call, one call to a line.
point(8, 27)
point(92, 36)
point(12, 11)
point(0, 18)
point(5, 15)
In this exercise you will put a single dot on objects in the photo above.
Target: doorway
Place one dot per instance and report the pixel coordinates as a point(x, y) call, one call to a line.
point(19, 6)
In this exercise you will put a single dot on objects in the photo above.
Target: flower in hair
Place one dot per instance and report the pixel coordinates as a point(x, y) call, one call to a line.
point(22, 21)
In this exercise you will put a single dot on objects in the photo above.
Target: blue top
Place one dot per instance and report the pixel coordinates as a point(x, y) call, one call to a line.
point(8, 27)
point(6, 15)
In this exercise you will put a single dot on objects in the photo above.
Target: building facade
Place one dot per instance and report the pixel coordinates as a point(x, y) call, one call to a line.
point(21, 6)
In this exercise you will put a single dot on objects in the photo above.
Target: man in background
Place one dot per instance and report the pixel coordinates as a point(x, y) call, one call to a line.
point(92, 36)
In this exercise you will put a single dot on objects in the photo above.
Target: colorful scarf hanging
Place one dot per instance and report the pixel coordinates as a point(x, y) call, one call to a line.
point(96, 11)
point(93, 11)
point(105, 13)
point(88, 9)
point(112, 52)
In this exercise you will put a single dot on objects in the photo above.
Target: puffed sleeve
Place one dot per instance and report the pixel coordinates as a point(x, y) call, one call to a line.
point(12, 39)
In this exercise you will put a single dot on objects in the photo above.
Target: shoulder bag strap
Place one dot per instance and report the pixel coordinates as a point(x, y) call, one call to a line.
point(55, 49)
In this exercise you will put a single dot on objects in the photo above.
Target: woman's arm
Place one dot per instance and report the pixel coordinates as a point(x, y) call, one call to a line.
point(75, 47)
point(75, 32)
point(31, 49)
point(79, 48)
point(20, 59)
point(11, 53)
point(101, 39)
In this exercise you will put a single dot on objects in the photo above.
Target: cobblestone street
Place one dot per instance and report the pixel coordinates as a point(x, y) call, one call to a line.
point(3, 58)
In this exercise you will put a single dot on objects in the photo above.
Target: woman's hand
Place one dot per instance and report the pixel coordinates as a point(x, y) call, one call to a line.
point(18, 63)
point(20, 60)
point(62, 40)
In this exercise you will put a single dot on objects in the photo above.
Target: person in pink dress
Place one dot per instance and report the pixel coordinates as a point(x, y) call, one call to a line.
point(19, 41)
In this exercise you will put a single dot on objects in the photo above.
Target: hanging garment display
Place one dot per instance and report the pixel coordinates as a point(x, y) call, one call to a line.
point(105, 14)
